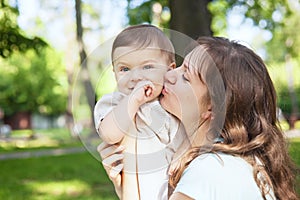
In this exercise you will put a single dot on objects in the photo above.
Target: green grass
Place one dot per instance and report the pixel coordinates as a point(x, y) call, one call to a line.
point(77, 176)
point(294, 151)
point(69, 177)
point(74, 177)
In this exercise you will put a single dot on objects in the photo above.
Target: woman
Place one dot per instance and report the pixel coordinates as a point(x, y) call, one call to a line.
point(241, 154)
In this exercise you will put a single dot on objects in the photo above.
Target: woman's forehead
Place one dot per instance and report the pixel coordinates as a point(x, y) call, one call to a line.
point(198, 55)
point(190, 60)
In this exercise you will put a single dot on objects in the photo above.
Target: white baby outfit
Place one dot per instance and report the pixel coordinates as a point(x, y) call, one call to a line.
point(156, 144)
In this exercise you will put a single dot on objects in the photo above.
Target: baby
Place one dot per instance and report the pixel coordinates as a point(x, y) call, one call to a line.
point(133, 116)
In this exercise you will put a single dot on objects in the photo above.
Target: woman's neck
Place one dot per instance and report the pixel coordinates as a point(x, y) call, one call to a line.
point(198, 134)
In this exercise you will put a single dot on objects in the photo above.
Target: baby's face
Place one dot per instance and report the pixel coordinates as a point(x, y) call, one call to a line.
point(132, 65)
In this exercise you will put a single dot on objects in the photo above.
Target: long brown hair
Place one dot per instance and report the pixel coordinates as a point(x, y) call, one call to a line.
point(251, 128)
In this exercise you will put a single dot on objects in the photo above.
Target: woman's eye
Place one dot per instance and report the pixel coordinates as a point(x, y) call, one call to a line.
point(147, 67)
point(170, 68)
point(184, 78)
point(124, 69)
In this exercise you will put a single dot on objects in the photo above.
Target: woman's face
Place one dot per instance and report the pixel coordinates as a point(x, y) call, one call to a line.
point(184, 93)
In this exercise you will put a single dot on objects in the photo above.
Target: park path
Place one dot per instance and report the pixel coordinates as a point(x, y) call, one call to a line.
point(39, 153)
point(293, 133)
point(72, 150)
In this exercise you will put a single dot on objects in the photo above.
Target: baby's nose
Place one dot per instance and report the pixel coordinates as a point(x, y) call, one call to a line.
point(136, 75)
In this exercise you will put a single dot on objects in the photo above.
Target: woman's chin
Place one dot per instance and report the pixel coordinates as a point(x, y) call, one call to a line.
point(167, 105)
point(163, 102)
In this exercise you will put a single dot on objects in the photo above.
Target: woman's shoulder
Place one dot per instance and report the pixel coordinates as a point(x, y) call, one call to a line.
point(219, 160)
point(218, 175)
point(216, 166)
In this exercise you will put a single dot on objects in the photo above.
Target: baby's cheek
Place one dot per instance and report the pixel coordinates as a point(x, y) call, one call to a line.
point(159, 79)
point(122, 87)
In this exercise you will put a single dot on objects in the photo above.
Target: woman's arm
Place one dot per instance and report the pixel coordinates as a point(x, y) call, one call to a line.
point(112, 160)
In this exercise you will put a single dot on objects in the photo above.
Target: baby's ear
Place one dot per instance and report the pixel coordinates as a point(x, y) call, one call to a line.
point(172, 65)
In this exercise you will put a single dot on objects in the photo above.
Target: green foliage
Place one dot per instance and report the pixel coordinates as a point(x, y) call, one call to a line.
point(280, 78)
point(277, 16)
point(143, 13)
point(286, 39)
point(140, 14)
point(218, 10)
point(265, 13)
point(284, 100)
point(11, 36)
point(33, 82)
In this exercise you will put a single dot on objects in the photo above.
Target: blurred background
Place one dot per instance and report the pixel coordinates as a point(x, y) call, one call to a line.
point(51, 77)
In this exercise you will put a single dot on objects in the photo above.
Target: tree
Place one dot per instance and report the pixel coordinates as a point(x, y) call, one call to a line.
point(199, 17)
point(33, 83)
point(192, 18)
point(90, 94)
point(11, 36)
point(208, 17)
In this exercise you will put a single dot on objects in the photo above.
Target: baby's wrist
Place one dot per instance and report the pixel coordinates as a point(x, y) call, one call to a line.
point(134, 103)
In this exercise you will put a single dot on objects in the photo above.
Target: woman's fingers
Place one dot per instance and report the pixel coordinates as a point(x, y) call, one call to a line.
point(112, 160)
point(105, 150)
point(102, 146)
point(115, 172)
point(116, 178)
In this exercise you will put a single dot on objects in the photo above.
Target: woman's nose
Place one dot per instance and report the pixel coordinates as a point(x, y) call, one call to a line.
point(171, 77)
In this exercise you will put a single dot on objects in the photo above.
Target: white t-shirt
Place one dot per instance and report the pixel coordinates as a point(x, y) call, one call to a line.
point(220, 177)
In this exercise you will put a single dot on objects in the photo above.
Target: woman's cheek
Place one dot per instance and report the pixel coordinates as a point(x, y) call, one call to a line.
point(171, 104)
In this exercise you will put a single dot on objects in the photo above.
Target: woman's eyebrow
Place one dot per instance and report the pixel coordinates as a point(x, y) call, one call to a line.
point(186, 67)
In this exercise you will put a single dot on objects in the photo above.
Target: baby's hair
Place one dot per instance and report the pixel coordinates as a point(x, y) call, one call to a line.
point(142, 36)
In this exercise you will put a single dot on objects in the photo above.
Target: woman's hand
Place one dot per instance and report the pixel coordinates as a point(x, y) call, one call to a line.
point(112, 160)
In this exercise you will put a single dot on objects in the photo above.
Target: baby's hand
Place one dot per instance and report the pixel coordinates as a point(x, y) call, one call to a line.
point(148, 90)
point(143, 92)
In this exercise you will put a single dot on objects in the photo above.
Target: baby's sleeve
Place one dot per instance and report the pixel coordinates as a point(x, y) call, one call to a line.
point(105, 105)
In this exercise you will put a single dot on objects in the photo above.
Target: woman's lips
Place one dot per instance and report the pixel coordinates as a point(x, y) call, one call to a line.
point(164, 91)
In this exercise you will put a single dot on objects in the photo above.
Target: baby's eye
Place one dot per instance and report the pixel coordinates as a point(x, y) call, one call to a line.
point(124, 69)
point(147, 67)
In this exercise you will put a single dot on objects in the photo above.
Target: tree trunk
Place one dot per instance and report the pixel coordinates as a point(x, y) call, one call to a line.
point(19, 121)
point(90, 94)
point(190, 17)
point(70, 63)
